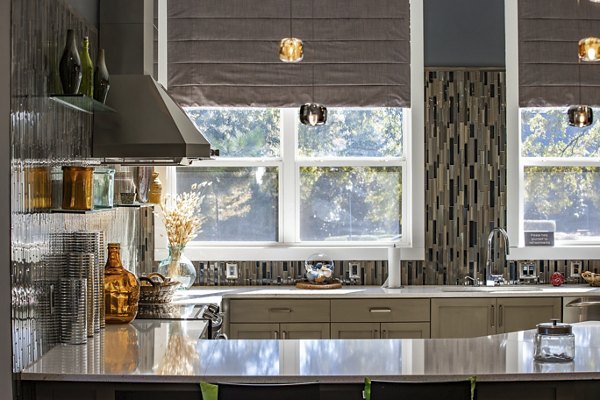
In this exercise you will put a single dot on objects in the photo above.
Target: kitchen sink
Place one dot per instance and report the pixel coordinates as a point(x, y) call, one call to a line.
point(491, 289)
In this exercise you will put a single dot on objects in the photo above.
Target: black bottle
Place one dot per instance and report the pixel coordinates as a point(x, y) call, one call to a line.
point(70, 66)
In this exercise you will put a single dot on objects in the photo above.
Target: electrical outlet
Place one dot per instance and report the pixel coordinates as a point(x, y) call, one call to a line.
point(231, 270)
point(527, 270)
point(575, 269)
point(354, 270)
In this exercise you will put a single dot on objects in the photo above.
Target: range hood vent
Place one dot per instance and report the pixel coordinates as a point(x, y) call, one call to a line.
point(149, 127)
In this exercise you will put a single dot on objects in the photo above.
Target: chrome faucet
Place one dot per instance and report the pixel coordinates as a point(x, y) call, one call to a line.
point(491, 279)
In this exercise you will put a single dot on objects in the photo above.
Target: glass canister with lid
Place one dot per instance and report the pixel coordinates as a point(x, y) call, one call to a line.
point(554, 342)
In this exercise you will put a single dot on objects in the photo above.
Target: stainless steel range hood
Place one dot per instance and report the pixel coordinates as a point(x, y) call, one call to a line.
point(148, 127)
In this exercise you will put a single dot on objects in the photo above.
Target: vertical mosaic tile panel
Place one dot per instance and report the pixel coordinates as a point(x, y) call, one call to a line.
point(465, 171)
point(46, 134)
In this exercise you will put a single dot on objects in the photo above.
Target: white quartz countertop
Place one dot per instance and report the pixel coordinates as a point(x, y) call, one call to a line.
point(170, 351)
point(412, 291)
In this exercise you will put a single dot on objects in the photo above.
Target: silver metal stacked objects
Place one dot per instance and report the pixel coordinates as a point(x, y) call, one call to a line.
point(87, 242)
point(71, 306)
point(84, 250)
point(54, 264)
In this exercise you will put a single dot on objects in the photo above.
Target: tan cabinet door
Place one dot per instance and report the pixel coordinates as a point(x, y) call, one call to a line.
point(405, 330)
point(358, 330)
point(254, 331)
point(463, 318)
point(517, 314)
point(304, 331)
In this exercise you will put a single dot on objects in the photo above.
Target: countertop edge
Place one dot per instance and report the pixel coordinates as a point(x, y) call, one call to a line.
point(195, 379)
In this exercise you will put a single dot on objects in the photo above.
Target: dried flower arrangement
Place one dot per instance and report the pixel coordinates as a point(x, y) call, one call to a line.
point(181, 214)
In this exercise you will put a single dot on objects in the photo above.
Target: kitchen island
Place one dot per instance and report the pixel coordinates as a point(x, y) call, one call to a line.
point(152, 360)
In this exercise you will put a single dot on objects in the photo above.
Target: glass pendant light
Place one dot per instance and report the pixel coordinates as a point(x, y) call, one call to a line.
point(580, 116)
point(589, 49)
point(313, 114)
point(290, 48)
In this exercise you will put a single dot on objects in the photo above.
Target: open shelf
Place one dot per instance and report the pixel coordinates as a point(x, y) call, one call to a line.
point(99, 210)
point(80, 102)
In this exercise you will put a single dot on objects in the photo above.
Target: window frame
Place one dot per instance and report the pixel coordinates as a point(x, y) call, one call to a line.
point(413, 185)
point(516, 163)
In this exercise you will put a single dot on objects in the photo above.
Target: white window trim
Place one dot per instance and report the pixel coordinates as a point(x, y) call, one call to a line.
point(413, 179)
point(516, 164)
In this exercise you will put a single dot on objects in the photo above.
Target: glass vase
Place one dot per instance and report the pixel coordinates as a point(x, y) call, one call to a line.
point(178, 267)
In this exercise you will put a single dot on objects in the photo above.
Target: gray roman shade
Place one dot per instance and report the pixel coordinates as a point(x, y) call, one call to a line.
point(225, 52)
point(549, 31)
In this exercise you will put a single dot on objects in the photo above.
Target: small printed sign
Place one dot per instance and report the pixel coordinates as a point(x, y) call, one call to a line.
point(539, 238)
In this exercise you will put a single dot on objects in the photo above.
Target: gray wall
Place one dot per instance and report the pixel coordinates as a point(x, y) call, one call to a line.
point(5, 297)
point(464, 33)
point(87, 9)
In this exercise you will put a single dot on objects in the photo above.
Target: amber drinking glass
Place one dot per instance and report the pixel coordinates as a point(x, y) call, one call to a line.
point(38, 190)
point(121, 289)
point(78, 184)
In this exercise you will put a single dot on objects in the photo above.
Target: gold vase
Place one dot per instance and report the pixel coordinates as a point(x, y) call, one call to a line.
point(121, 289)
point(155, 192)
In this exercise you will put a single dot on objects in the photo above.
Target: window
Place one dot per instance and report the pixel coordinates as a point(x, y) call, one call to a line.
point(561, 176)
point(552, 168)
point(280, 182)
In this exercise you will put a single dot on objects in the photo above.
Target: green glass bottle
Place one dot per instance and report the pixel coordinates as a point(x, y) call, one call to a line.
point(87, 70)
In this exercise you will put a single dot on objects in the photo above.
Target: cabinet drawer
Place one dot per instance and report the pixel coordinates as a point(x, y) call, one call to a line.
point(279, 310)
point(380, 310)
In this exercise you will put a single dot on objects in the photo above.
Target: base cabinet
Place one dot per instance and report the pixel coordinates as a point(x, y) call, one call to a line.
point(463, 318)
point(280, 331)
point(385, 330)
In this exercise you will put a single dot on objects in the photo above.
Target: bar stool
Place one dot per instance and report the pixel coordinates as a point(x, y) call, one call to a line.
point(287, 391)
point(458, 390)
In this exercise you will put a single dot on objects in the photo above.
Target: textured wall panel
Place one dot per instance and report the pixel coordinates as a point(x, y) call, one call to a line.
point(47, 134)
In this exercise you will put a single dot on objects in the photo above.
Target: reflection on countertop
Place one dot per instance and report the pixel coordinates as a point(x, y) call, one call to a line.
point(170, 351)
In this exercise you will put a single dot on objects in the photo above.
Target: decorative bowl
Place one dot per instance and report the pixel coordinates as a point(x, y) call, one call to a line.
point(591, 278)
point(319, 268)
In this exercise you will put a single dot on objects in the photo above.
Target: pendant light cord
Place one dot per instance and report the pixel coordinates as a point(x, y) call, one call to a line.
point(578, 58)
point(291, 35)
point(312, 20)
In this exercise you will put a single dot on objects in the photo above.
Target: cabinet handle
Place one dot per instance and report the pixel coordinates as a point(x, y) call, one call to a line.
point(275, 335)
point(493, 316)
point(380, 310)
point(283, 335)
point(280, 310)
point(500, 316)
point(384, 334)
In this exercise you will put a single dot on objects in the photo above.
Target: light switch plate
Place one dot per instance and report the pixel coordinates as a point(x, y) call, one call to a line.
point(354, 270)
point(231, 270)
point(575, 269)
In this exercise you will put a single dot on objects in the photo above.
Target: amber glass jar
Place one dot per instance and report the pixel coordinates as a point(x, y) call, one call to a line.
point(121, 289)
point(78, 186)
